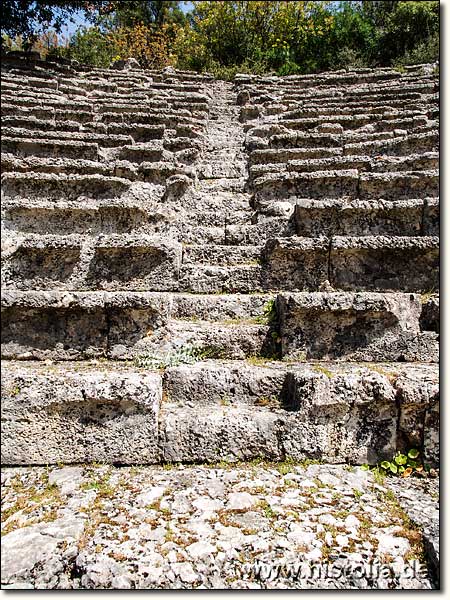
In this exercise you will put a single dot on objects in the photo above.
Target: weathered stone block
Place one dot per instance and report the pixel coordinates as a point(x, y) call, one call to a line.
point(416, 184)
point(431, 217)
point(430, 316)
point(295, 263)
point(135, 262)
point(358, 218)
point(418, 399)
point(53, 325)
point(80, 325)
point(349, 326)
point(226, 383)
point(40, 265)
point(225, 433)
point(79, 414)
point(382, 263)
point(63, 187)
point(317, 184)
point(348, 417)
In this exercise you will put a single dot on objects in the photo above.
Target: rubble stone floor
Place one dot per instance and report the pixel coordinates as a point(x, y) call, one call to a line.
point(244, 526)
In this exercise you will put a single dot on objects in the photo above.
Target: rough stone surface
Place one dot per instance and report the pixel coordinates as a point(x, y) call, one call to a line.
point(338, 411)
point(282, 526)
point(198, 270)
point(79, 415)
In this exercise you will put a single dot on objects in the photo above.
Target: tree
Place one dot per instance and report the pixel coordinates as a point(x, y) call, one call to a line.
point(26, 18)
point(149, 12)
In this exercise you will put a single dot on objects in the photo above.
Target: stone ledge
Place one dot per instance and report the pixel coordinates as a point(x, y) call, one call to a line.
point(217, 409)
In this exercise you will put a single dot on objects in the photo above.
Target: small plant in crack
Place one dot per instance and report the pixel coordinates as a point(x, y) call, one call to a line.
point(269, 315)
point(402, 465)
point(186, 355)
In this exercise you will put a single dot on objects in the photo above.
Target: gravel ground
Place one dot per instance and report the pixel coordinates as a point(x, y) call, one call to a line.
point(252, 526)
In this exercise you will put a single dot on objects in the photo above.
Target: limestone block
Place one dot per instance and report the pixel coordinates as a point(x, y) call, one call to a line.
point(383, 263)
point(227, 383)
point(430, 316)
point(296, 263)
point(350, 326)
point(79, 415)
point(348, 417)
point(80, 325)
point(224, 433)
point(418, 399)
point(132, 262)
point(358, 217)
point(431, 217)
point(318, 184)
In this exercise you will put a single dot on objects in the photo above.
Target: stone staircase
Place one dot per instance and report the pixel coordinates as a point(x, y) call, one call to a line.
point(195, 270)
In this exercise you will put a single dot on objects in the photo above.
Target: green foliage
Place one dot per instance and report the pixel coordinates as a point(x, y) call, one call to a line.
point(27, 18)
point(409, 31)
point(90, 46)
point(227, 37)
point(156, 12)
point(269, 313)
point(403, 465)
point(187, 355)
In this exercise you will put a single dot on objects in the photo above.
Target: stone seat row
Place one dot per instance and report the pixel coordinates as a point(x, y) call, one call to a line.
point(112, 216)
point(337, 326)
point(260, 162)
point(420, 84)
point(217, 410)
point(355, 76)
point(32, 167)
point(428, 104)
point(138, 132)
point(349, 183)
point(101, 93)
point(316, 145)
point(134, 262)
point(91, 147)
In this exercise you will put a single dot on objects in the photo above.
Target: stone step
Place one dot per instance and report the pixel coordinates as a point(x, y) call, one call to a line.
point(35, 146)
point(171, 119)
point(367, 217)
point(355, 326)
point(221, 255)
point(53, 186)
point(32, 123)
point(317, 184)
point(78, 325)
point(336, 139)
point(416, 184)
point(385, 263)
point(139, 153)
point(102, 139)
point(395, 109)
point(198, 111)
point(116, 262)
point(284, 155)
point(380, 122)
point(92, 217)
point(428, 104)
point(414, 162)
point(259, 232)
point(52, 102)
point(349, 183)
point(35, 112)
point(150, 172)
point(397, 146)
point(30, 82)
point(357, 94)
point(218, 409)
point(211, 279)
point(372, 263)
